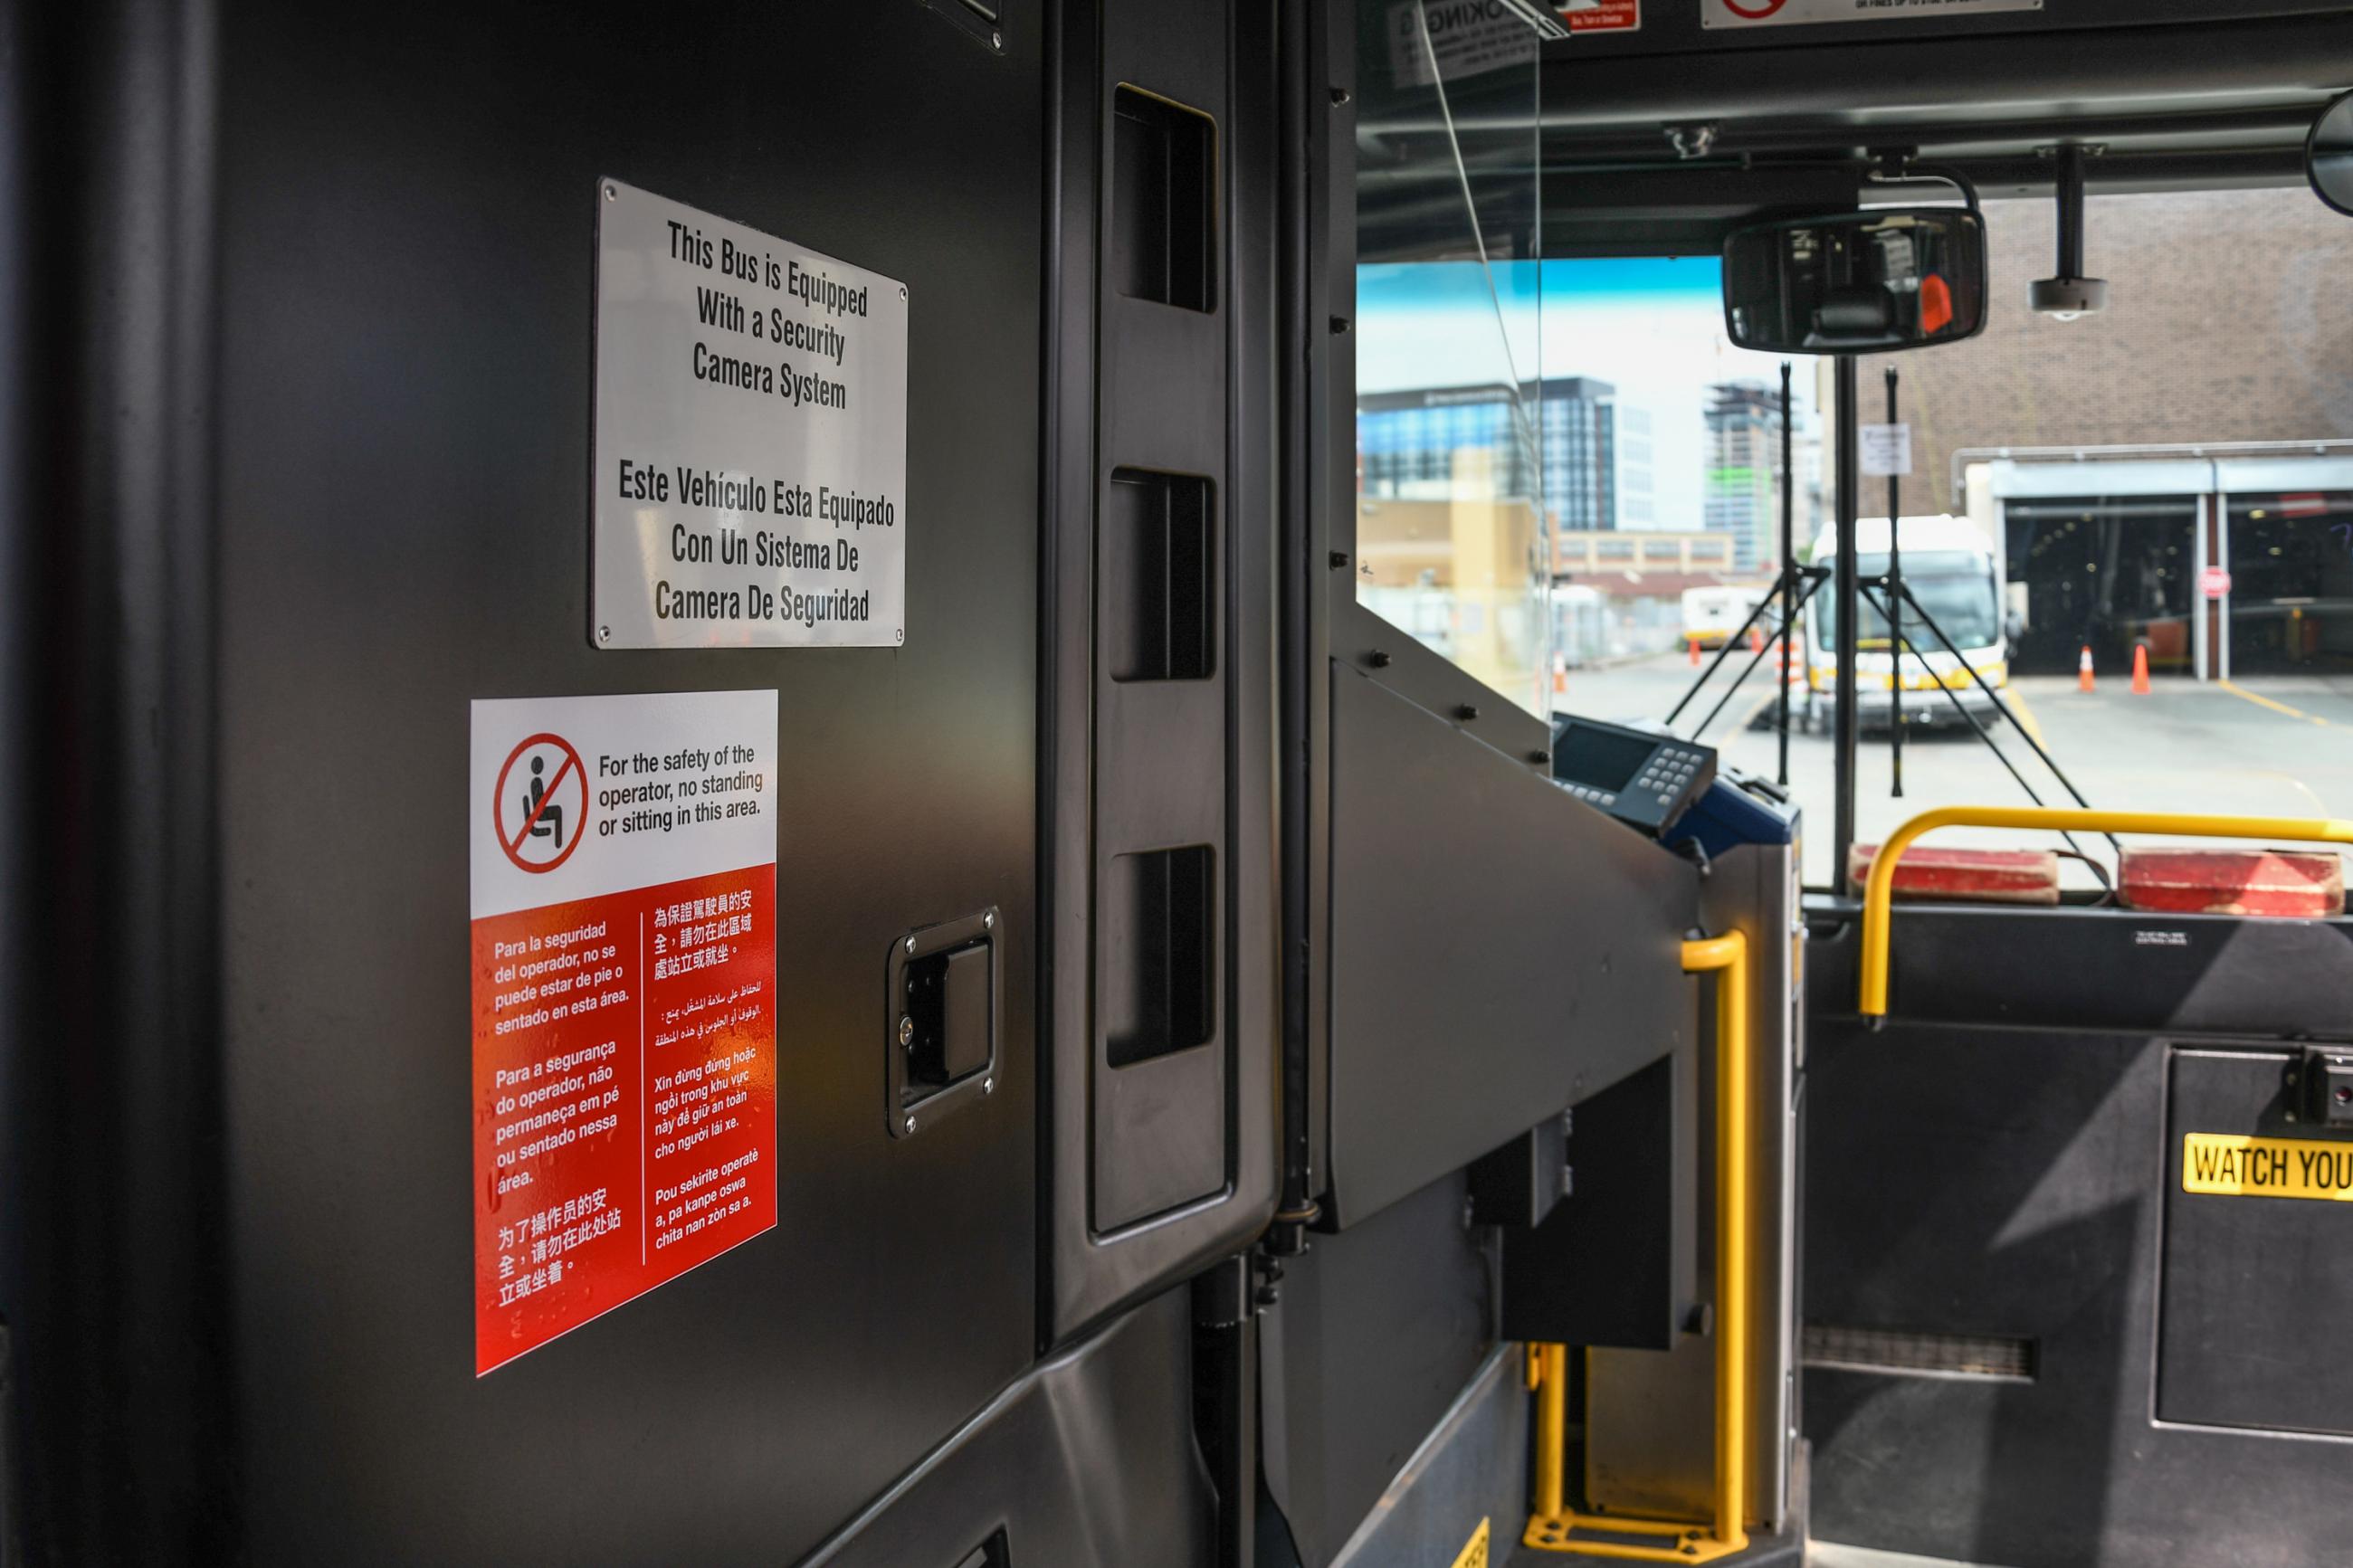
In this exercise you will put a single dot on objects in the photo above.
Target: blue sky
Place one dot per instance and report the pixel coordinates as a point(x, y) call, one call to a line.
point(1651, 326)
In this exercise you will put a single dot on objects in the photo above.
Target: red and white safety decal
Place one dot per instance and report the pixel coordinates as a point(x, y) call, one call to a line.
point(1601, 16)
point(624, 903)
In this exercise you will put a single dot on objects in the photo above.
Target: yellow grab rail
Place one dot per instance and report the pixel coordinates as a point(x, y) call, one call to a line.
point(1553, 1522)
point(1878, 889)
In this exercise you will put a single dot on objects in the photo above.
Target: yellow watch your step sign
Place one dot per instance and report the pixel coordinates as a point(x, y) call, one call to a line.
point(2226, 1165)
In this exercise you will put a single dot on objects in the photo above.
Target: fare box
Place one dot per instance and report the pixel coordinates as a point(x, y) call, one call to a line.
point(624, 899)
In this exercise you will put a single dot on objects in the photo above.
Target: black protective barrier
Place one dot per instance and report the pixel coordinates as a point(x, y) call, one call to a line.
point(1158, 718)
point(306, 348)
point(302, 313)
point(2065, 1358)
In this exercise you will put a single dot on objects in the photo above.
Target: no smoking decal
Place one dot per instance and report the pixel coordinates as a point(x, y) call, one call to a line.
point(623, 904)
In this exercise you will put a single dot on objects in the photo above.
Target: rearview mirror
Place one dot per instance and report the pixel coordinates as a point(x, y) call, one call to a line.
point(2329, 155)
point(1863, 282)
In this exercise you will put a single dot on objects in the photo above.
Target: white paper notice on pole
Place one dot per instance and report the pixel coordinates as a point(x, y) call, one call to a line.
point(750, 445)
point(1886, 451)
point(1786, 13)
point(624, 936)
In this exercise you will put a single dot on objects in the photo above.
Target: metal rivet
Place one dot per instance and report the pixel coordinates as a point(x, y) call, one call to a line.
point(988, 923)
point(909, 1124)
point(910, 944)
point(604, 634)
point(1467, 712)
point(1340, 95)
point(611, 194)
point(899, 635)
point(1339, 559)
point(906, 1031)
point(1339, 324)
point(988, 1086)
point(997, 41)
point(1381, 659)
point(902, 291)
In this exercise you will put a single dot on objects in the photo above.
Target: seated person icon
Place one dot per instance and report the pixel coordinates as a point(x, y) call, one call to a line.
point(551, 819)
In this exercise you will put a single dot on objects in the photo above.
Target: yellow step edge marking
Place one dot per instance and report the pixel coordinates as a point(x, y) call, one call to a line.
point(2226, 1165)
point(1475, 1556)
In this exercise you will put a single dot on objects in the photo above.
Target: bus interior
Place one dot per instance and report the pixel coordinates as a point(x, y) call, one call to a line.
point(1277, 1006)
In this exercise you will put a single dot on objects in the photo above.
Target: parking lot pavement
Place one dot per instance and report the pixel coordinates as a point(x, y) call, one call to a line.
point(2264, 746)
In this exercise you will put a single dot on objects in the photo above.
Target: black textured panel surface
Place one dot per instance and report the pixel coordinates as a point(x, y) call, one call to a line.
point(405, 313)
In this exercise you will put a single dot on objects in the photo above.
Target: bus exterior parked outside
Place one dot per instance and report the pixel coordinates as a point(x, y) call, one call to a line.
point(1950, 569)
point(1710, 615)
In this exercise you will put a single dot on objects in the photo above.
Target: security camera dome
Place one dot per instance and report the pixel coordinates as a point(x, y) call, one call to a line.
point(2064, 298)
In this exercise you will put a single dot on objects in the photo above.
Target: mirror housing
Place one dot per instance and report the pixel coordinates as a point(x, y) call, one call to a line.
point(2329, 155)
point(1854, 283)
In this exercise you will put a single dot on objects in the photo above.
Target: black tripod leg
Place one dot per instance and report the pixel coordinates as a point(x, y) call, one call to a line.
point(1982, 734)
point(2003, 707)
point(1755, 659)
point(1717, 663)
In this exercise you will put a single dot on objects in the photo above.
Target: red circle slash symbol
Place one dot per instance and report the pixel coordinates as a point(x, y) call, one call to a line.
point(1754, 10)
point(543, 822)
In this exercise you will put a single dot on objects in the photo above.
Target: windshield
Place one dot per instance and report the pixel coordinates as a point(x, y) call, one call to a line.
point(1955, 587)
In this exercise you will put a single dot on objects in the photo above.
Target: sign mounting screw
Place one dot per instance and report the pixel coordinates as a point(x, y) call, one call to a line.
point(996, 42)
point(910, 944)
point(988, 920)
point(910, 1124)
point(604, 634)
point(988, 1086)
point(906, 1030)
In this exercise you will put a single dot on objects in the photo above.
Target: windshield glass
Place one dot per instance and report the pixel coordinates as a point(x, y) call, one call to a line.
point(1955, 587)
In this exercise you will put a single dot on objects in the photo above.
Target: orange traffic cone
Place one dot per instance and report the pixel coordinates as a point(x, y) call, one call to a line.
point(2083, 670)
point(2140, 669)
point(1695, 651)
point(1559, 674)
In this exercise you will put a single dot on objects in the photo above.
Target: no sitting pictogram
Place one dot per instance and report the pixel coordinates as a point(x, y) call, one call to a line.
point(533, 813)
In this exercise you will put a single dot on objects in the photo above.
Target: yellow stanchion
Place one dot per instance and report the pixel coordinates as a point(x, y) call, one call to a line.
point(1553, 1526)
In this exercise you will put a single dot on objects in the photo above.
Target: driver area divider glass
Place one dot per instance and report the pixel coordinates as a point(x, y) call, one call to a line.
point(1457, 428)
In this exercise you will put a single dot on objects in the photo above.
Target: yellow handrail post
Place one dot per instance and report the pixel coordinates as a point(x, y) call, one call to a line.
point(1879, 889)
point(1551, 1426)
point(1551, 1523)
point(1729, 954)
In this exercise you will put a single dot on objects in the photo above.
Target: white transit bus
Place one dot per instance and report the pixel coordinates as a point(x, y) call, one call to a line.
point(1951, 571)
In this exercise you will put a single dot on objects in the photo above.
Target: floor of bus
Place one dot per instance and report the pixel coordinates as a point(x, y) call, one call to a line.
point(1819, 1555)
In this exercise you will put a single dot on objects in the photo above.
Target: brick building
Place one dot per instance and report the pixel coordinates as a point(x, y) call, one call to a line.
point(2231, 320)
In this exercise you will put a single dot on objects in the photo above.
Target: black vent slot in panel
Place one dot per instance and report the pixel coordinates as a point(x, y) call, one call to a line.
point(1163, 201)
point(1894, 1352)
point(1159, 572)
point(1159, 987)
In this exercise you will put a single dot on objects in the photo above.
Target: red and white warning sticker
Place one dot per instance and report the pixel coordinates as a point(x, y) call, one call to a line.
point(624, 870)
point(1600, 15)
